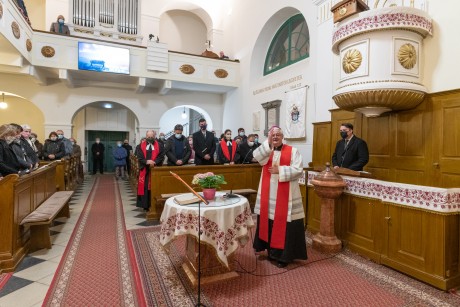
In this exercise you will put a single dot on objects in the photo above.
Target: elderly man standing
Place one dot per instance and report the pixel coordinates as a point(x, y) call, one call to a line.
point(280, 227)
point(149, 152)
point(67, 143)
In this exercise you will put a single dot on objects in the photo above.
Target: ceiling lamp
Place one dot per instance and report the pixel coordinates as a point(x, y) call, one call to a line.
point(3, 104)
point(184, 115)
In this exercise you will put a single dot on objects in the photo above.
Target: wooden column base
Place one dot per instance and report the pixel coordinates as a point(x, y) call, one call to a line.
point(193, 276)
point(212, 270)
point(326, 244)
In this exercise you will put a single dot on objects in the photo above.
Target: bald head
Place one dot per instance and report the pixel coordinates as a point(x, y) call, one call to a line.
point(276, 136)
point(150, 134)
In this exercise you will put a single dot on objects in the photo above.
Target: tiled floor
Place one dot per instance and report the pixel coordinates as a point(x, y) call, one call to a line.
point(32, 278)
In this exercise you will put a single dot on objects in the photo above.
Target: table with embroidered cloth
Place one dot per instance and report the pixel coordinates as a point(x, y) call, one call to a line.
point(225, 224)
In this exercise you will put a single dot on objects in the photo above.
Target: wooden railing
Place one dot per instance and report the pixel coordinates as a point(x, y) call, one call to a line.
point(19, 197)
point(238, 176)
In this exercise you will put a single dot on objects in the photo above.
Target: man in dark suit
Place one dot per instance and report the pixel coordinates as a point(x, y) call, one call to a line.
point(204, 145)
point(98, 156)
point(245, 150)
point(351, 152)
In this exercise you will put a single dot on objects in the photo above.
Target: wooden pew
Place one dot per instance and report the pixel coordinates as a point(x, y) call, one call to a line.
point(19, 197)
point(238, 176)
point(41, 218)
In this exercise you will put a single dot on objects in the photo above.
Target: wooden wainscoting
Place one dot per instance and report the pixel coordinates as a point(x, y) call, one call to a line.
point(422, 244)
point(322, 143)
point(419, 146)
point(445, 163)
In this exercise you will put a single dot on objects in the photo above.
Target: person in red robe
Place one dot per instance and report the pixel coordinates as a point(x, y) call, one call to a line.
point(149, 153)
point(279, 208)
point(227, 153)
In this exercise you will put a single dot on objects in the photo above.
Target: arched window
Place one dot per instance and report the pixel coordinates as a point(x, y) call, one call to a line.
point(289, 45)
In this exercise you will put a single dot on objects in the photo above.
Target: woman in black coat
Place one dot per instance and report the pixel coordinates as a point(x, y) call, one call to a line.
point(9, 163)
point(53, 149)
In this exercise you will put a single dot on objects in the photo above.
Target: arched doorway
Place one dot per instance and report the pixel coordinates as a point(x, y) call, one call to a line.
point(107, 120)
point(186, 115)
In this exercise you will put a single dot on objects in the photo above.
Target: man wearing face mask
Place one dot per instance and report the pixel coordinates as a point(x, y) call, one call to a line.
point(162, 138)
point(350, 152)
point(227, 151)
point(177, 148)
point(150, 153)
point(256, 140)
point(280, 226)
point(204, 145)
point(59, 26)
point(67, 143)
point(98, 150)
point(245, 151)
point(242, 135)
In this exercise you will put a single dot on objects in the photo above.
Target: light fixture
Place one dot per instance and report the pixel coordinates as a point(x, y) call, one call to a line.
point(3, 104)
point(184, 115)
point(108, 105)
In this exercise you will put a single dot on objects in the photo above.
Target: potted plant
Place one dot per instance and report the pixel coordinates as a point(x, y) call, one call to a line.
point(209, 183)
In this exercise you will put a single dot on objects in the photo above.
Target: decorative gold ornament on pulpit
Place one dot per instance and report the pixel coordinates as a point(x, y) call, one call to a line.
point(351, 61)
point(407, 56)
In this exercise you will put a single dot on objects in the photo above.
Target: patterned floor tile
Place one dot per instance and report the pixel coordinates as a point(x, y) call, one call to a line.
point(27, 262)
point(13, 284)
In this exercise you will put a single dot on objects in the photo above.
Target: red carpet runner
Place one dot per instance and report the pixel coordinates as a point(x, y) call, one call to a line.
point(4, 278)
point(95, 269)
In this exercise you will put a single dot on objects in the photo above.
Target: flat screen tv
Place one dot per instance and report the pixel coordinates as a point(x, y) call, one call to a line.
point(103, 58)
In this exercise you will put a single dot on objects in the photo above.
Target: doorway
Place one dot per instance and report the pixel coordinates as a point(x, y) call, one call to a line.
point(109, 139)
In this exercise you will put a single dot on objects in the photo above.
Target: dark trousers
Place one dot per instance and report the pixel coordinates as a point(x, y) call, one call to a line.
point(128, 165)
point(98, 163)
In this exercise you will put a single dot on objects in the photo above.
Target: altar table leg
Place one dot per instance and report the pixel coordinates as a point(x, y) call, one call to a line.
point(212, 270)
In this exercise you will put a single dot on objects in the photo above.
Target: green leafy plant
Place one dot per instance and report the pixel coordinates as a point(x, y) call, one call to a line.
point(208, 180)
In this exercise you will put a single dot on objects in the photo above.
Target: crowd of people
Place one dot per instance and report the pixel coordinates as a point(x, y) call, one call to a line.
point(21, 151)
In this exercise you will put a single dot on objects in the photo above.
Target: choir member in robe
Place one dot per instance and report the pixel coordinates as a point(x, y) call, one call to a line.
point(149, 153)
point(227, 150)
point(279, 209)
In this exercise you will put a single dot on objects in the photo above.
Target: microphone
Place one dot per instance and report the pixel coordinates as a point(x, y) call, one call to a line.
point(230, 195)
point(244, 160)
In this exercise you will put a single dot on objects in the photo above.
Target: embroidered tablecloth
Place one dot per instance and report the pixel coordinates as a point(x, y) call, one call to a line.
point(417, 196)
point(224, 223)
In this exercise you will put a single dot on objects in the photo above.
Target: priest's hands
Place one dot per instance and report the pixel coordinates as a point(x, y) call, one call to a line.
point(274, 169)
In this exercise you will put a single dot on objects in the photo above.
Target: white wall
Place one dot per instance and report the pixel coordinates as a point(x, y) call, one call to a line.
point(250, 41)
point(183, 31)
point(441, 50)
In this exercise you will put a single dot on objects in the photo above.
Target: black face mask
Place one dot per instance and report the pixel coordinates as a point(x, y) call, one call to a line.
point(343, 134)
point(150, 140)
point(203, 127)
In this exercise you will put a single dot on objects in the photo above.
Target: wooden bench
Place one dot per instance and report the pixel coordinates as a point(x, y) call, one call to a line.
point(250, 194)
point(57, 205)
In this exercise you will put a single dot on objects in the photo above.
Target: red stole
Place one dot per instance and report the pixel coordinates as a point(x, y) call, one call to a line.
point(142, 172)
point(282, 202)
point(223, 146)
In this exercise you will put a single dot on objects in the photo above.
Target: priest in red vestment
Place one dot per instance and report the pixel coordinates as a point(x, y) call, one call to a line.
point(149, 153)
point(280, 226)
